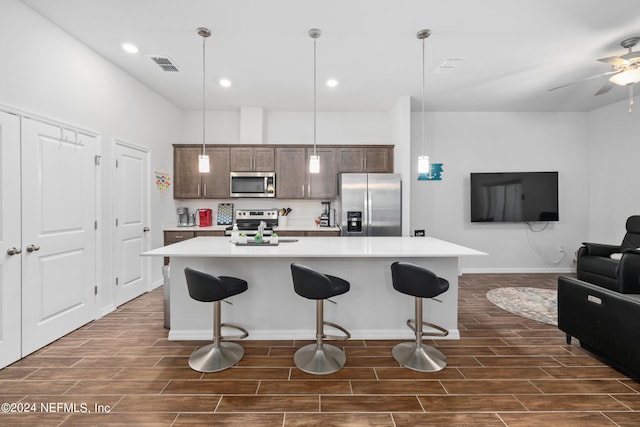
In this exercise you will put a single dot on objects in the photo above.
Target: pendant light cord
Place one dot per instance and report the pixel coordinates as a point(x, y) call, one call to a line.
point(204, 54)
point(314, 96)
point(422, 115)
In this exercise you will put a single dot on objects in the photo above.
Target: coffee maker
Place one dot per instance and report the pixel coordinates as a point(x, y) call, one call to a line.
point(183, 217)
point(205, 217)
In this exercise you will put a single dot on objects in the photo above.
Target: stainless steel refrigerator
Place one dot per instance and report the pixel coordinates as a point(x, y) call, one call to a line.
point(370, 204)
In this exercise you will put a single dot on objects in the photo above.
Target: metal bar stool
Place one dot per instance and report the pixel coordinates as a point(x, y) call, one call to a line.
point(207, 288)
point(421, 283)
point(319, 358)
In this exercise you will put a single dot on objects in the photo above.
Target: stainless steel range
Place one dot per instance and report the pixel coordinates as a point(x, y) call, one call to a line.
point(248, 221)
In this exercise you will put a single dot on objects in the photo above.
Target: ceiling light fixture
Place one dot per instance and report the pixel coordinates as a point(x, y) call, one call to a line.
point(130, 48)
point(423, 159)
point(627, 68)
point(203, 159)
point(629, 77)
point(332, 83)
point(225, 82)
point(314, 159)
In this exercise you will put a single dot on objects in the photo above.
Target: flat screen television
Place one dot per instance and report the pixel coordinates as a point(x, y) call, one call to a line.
point(514, 196)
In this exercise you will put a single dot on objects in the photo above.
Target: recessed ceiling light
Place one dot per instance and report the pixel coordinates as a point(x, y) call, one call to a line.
point(332, 83)
point(130, 48)
point(225, 82)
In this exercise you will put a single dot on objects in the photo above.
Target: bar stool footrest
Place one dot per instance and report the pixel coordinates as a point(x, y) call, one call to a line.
point(346, 336)
point(411, 323)
point(245, 333)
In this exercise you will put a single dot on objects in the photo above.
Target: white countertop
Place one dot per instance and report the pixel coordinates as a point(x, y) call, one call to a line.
point(321, 247)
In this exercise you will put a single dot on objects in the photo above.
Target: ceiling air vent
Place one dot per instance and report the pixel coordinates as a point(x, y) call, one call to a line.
point(447, 65)
point(165, 64)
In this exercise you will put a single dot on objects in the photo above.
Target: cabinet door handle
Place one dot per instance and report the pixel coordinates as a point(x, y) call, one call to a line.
point(205, 189)
point(13, 251)
point(198, 190)
point(145, 229)
point(361, 164)
point(365, 163)
point(179, 237)
point(33, 248)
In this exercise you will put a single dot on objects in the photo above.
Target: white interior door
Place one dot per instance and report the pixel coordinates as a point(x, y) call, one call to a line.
point(10, 243)
point(58, 211)
point(132, 270)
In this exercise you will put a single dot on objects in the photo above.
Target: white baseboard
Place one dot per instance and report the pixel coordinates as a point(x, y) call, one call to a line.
point(560, 270)
point(387, 334)
point(156, 284)
point(106, 310)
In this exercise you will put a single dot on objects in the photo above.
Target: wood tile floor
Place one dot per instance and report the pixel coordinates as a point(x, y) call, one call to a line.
point(504, 371)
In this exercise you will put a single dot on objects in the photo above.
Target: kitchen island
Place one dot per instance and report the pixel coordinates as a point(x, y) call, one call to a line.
point(270, 309)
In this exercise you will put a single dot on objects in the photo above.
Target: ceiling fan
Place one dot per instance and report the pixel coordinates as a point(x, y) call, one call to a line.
point(625, 70)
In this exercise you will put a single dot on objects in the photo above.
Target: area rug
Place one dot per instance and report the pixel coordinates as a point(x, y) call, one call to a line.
point(533, 303)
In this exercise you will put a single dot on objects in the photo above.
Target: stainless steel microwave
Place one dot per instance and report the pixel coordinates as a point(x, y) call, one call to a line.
point(253, 184)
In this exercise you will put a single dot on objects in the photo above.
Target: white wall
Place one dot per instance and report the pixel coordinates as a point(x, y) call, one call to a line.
point(614, 153)
point(401, 126)
point(488, 141)
point(51, 74)
point(291, 127)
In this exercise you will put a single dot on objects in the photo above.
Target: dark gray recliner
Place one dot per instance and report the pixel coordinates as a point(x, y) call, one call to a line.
point(603, 320)
point(595, 265)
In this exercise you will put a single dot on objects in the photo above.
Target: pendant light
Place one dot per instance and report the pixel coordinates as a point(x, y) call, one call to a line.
point(203, 159)
point(314, 159)
point(423, 159)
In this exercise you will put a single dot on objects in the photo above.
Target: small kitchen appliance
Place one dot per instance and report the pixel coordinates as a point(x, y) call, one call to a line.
point(184, 220)
point(205, 217)
point(252, 184)
point(248, 221)
point(324, 216)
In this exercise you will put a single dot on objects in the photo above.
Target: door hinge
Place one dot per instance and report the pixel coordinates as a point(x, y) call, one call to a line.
point(116, 222)
point(116, 163)
point(96, 159)
point(95, 290)
point(95, 224)
point(116, 281)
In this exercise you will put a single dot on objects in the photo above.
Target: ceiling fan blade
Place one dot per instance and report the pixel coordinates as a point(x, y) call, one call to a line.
point(578, 81)
point(614, 60)
point(605, 88)
point(608, 73)
point(629, 56)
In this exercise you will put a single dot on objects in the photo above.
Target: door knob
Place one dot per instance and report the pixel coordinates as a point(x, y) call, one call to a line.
point(13, 251)
point(33, 248)
point(146, 229)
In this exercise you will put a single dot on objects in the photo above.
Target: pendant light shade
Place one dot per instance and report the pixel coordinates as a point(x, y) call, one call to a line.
point(423, 159)
point(423, 164)
point(314, 159)
point(203, 159)
point(203, 163)
point(314, 163)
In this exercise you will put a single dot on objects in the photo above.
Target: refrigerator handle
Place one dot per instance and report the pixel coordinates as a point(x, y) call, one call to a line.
point(369, 214)
point(365, 214)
